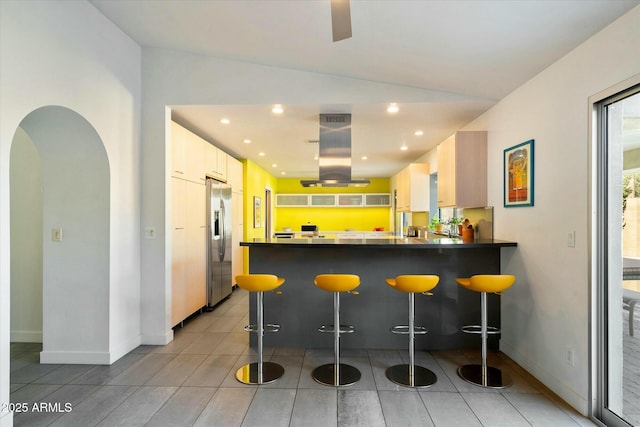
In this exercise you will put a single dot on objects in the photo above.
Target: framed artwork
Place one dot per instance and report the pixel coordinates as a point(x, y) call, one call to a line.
point(257, 212)
point(518, 175)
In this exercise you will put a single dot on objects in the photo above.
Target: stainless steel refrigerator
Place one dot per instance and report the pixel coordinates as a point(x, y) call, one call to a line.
point(219, 282)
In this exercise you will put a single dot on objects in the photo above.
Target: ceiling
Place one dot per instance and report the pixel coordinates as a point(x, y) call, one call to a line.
point(466, 54)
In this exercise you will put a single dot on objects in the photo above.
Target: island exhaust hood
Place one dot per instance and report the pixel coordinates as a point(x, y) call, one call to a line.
point(334, 160)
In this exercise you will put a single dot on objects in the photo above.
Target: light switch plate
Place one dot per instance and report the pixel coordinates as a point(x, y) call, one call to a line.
point(56, 234)
point(571, 239)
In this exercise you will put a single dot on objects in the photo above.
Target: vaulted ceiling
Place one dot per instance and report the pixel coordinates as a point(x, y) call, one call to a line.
point(469, 53)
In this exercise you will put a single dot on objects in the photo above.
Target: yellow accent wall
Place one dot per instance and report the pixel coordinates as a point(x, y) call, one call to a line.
point(333, 219)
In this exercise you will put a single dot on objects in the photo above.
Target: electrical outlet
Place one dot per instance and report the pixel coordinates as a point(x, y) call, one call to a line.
point(149, 232)
point(571, 356)
point(571, 239)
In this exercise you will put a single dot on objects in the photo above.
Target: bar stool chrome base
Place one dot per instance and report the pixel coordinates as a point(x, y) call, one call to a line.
point(422, 377)
point(249, 374)
point(494, 377)
point(325, 374)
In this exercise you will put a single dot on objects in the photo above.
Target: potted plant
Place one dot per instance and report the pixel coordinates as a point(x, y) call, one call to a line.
point(435, 224)
point(454, 222)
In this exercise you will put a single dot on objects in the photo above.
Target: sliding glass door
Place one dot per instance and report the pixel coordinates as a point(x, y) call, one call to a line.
point(617, 258)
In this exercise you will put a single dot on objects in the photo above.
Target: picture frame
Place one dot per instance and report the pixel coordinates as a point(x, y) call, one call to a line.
point(518, 175)
point(257, 212)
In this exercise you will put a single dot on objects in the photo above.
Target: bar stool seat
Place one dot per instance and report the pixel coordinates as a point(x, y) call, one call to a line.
point(260, 372)
point(336, 373)
point(483, 375)
point(411, 375)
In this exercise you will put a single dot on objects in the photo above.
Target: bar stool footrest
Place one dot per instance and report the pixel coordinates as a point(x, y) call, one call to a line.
point(268, 327)
point(404, 330)
point(477, 329)
point(344, 329)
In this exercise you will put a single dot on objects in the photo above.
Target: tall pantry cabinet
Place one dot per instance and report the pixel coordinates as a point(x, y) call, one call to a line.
point(193, 159)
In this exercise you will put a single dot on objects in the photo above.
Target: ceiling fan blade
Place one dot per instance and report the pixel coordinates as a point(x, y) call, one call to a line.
point(341, 19)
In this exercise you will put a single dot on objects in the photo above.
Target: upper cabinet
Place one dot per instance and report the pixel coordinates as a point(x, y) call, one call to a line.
point(216, 163)
point(462, 170)
point(413, 188)
point(179, 137)
point(234, 174)
point(193, 158)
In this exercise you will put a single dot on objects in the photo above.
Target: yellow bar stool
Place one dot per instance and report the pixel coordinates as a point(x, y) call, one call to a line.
point(337, 373)
point(483, 375)
point(260, 372)
point(411, 375)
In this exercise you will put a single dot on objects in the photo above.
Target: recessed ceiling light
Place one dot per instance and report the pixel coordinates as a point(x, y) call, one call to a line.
point(277, 109)
point(364, 157)
point(261, 154)
point(404, 147)
point(315, 157)
point(274, 165)
point(246, 141)
point(418, 133)
point(393, 108)
point(225, 121)
point(283, 173)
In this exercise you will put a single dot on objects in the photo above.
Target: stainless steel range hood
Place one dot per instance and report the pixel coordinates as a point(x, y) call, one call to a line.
point(334, 160)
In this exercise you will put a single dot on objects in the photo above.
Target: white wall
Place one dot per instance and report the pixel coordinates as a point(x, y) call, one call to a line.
point(68, 54)
point(26, 224)
point(547, 310)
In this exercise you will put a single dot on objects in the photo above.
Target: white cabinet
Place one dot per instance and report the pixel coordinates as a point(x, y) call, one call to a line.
point(188, 246)
point(216, 162)
point(350, 200)
point(179, 137)
point(192, 160)
point(292, 200)
point(462, 170)
point(373, 199)
point(342, 200)
point(413, 188)
point(319, 200)
point(235, 174)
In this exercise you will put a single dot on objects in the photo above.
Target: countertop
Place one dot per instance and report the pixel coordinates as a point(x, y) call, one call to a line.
point(390, 242)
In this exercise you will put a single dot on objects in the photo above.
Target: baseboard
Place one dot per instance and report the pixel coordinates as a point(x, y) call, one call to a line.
point(157, 339)
point(25, 336)
point(575, 400)
point(75, 357)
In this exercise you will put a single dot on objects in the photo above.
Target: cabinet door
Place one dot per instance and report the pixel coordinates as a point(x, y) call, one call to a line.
point(211, 159)
point(178, 251)
point(221, 169)
point(403, 190)
point(447, 173)
point(196, 248)
point(196, 159)
point(418, 187)
point(234, 174)
point(178, 150)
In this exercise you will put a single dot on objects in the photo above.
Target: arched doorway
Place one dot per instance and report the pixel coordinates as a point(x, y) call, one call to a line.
point(59, 197)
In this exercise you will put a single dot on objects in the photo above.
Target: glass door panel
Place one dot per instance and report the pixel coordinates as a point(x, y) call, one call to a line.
point(619, 260)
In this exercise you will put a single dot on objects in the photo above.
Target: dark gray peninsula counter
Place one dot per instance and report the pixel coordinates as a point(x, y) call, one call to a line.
point(302, 307)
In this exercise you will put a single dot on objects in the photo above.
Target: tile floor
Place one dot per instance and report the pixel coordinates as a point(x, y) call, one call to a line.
point(190, 382)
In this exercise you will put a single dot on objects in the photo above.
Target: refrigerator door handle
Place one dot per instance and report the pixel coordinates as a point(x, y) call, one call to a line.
point(223, 236)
